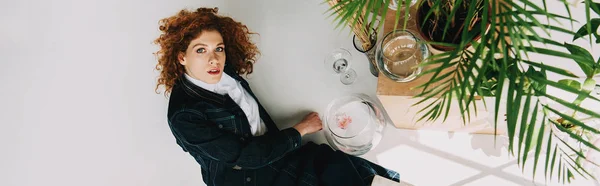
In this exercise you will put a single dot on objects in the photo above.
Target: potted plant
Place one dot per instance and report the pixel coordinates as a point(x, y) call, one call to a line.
point(502, 59)
point(445, 21)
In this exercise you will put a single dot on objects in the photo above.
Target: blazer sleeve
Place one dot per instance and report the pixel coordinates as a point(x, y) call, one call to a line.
point(203, 137)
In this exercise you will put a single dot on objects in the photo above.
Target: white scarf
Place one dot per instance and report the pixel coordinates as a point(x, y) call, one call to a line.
point(228, 85)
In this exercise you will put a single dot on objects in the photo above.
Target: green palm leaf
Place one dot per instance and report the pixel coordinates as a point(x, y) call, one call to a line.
point(530, 129)
point(548, 151)
point(538, 140)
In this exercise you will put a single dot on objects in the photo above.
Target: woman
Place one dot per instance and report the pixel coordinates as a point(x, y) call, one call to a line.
point(216, 118)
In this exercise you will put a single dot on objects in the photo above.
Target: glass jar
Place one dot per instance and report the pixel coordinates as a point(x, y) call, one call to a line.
point(354, 124)
point(399, 55)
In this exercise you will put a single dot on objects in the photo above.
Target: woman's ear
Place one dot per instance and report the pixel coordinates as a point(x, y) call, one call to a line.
point(181, 58)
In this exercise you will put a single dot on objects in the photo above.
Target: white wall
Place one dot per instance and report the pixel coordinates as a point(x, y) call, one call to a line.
point(77, 86)
point(290, 76)
point(77, 101)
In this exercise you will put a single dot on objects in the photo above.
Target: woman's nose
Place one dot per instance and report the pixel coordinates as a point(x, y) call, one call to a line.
point(212, 59)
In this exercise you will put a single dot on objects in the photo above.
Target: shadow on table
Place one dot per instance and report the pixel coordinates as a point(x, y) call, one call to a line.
point(487, 144)
point(490, 145)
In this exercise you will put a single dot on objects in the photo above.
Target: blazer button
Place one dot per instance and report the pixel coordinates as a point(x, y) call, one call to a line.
point(220, 126)
point(248, 179)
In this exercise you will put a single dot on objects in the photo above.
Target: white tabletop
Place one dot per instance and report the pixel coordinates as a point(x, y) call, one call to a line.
point(290, 80)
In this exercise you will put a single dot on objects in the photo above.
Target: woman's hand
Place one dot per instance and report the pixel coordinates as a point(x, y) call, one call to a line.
point(310, 124)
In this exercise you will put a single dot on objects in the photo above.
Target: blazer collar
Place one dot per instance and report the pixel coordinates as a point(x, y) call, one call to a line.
point(203, 94)
point(224, 100)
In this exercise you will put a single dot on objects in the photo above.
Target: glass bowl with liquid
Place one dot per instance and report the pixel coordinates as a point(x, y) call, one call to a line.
point(354, 124)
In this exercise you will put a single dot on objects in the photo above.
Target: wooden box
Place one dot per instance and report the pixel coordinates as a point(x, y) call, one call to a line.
point(397, 98)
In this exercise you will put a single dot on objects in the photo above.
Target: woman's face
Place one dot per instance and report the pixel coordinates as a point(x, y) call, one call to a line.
point(204, 58)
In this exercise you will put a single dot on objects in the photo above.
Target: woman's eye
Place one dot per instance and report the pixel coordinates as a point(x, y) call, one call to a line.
point(200, 50)
point(220, 49)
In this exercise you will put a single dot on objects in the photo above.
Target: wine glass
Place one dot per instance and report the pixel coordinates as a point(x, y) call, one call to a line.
point(338, 62)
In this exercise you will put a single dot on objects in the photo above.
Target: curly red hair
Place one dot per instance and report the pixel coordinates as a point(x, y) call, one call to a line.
point(179, 30)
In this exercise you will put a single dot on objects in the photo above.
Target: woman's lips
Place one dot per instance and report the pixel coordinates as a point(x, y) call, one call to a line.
point(214, 72)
